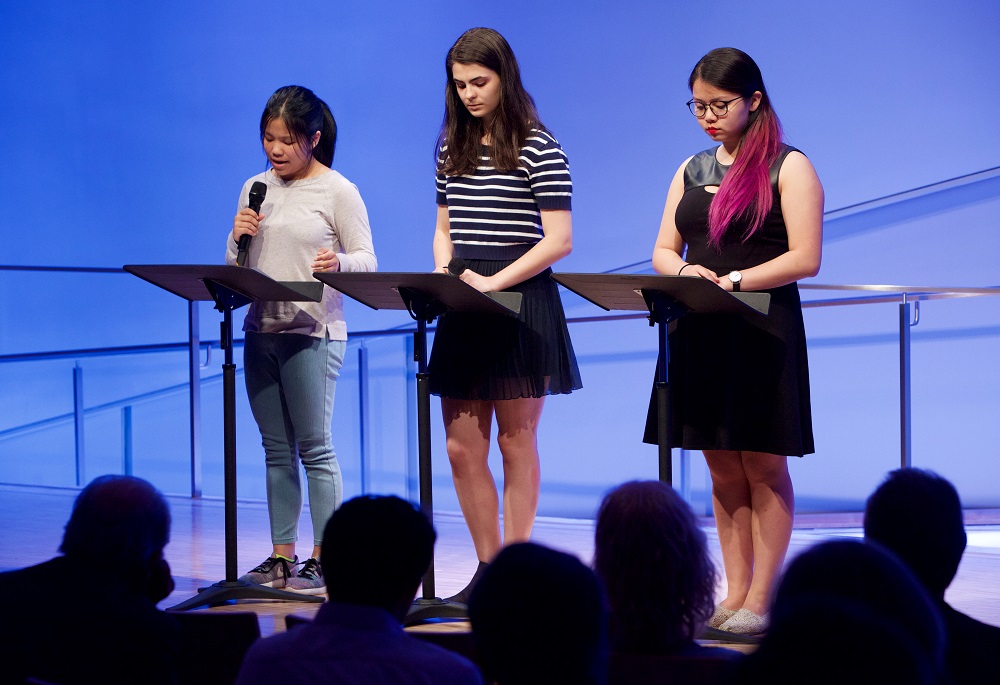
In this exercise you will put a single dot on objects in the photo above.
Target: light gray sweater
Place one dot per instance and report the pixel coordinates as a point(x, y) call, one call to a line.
point(300, 218)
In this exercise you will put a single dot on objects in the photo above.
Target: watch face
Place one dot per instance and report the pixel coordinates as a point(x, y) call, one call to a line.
point(735, 276)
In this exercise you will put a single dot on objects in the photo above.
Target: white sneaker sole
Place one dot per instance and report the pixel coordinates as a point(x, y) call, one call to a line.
point(277, 584)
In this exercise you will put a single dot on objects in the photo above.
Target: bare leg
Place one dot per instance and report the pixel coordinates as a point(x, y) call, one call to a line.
point(731, 502)
point(517, 436)
point(467, 426)
point(286, 550)
point(773, 507)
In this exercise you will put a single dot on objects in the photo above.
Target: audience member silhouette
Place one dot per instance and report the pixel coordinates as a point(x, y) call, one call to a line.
point(657, 571)
point(89, 615)
point(918, 516)
point(538, 617)
point(375, 550)
point(830, 640)
point(835, 603)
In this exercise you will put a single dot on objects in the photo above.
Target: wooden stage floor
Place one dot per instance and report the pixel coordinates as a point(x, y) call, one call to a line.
point(32, 521)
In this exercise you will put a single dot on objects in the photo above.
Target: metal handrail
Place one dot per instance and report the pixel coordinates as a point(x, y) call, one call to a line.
point(908, 299)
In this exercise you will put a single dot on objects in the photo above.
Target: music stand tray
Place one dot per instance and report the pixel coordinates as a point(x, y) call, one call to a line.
point(425, 296)
point(666, 298)
point(230, 287)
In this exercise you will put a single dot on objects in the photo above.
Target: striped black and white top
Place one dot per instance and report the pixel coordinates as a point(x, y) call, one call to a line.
point(496, 215)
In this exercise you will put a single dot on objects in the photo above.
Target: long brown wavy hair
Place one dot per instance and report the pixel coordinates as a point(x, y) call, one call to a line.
point(655, 564)
point(515, 115)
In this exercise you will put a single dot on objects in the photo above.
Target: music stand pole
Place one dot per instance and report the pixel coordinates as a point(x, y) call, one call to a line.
point(424, 310)
point(425, 296)
point(666, 471)
point(666, 298)
point(230, 287)
point(662, 310)
point(229, 443)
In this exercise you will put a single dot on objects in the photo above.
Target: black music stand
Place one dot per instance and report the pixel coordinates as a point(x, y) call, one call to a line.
point(425, 296)
point(230, 287)
point(666, 298)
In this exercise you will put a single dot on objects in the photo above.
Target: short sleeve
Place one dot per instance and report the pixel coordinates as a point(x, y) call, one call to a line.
point(548, 171)
point(441, 181)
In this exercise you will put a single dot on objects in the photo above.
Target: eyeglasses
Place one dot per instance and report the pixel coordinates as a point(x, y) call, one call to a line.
point(720, 108)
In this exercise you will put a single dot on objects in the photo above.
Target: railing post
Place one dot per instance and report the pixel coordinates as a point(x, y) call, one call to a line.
point(78, 420)
point(194, 396)
point(127, 440)
point(363, 417)
point(685, 474)
point(905, 416)
point(412, 448)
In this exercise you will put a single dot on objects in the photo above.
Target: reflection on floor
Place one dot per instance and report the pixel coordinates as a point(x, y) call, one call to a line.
point(32, 521)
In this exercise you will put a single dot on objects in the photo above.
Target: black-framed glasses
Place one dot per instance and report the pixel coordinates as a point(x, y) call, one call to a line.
point(720, 108)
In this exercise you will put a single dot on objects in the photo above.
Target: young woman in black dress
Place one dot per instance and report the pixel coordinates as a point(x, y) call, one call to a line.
point(746, 215)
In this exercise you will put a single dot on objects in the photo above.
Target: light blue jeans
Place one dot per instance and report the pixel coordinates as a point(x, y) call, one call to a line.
point(291, 379)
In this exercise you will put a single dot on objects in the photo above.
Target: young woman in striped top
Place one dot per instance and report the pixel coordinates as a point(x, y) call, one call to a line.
point(504, 198)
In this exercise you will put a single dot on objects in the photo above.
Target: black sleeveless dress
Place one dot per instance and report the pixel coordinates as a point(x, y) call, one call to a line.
point(735, 385)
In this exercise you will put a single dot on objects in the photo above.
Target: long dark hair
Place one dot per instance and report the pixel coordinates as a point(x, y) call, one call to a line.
point(304, 114)
point(515, 115)
point(746, 189)
point(656, 568)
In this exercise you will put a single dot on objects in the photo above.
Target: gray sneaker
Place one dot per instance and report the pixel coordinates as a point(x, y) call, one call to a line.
point(272, 572)
point(309, 579)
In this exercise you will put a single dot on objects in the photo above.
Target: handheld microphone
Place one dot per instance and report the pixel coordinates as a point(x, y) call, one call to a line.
point(456, 267)
point(257, 192)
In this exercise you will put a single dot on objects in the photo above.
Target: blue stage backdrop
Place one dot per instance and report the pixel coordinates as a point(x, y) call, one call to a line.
point(129, 129)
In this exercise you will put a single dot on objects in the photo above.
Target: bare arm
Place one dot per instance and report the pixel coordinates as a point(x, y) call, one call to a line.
point(802, 209)
point(669, 246)
point(442, 247)
point(557, 242)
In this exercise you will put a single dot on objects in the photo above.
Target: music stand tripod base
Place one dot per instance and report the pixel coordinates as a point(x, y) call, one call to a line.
point(227, 591)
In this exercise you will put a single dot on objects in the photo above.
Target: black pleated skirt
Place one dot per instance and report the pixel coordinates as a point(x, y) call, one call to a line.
point(498, 357)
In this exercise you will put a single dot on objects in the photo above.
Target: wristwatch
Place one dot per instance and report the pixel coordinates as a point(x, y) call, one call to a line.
point(735, 277)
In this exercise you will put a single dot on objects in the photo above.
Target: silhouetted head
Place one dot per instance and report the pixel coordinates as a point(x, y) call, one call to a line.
point(828, 640)
point(870, 577)
point(120, 524)
point(375, 551)
point(538, 616)
point(654, 561)
point(918, 516)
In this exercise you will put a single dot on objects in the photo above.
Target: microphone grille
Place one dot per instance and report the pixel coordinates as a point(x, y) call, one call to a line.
point(456, 266)
point(257, 192)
